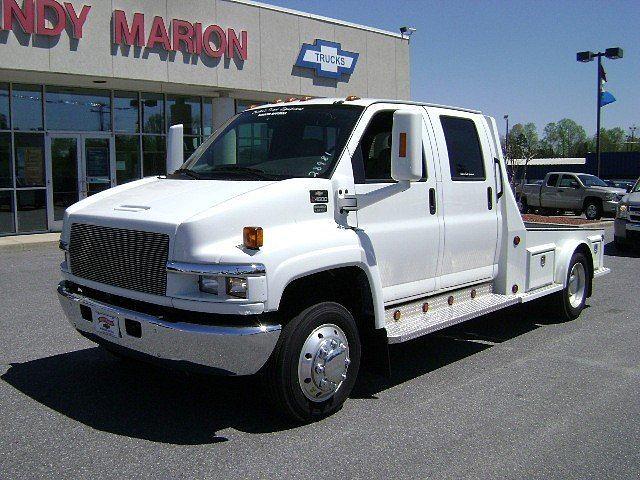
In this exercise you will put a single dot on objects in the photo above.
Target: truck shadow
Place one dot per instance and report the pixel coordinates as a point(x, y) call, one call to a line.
point(151, 403)
point(611, 250)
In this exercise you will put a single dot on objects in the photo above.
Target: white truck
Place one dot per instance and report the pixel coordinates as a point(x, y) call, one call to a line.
point(302, 234)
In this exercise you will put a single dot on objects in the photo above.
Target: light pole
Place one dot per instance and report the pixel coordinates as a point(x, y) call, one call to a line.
point(633, 136)
point(506, 138)
point(612, 53)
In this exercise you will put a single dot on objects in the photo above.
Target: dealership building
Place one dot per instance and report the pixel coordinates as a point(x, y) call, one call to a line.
point(88, 89)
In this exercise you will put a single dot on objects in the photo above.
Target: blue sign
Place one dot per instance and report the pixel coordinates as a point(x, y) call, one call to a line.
point(327, 59)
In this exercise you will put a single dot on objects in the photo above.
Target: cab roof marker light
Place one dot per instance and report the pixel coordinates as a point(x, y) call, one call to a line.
point(352, 98)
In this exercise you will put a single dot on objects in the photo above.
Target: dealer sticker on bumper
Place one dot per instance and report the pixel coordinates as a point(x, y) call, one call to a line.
point(106, 324)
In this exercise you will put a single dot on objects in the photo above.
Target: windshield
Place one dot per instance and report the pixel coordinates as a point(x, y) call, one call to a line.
point(591, 181)
point(276, 143)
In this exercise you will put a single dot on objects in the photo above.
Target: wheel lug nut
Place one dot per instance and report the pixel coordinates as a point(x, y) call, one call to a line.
point(334, 344)
point(319, 368)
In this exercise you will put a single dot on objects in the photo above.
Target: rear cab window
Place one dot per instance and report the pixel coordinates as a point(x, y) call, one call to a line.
point(552, 180)
point(466, 162)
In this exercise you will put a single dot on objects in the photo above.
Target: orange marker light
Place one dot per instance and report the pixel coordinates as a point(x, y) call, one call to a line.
point(252, 237)
point(403, 145)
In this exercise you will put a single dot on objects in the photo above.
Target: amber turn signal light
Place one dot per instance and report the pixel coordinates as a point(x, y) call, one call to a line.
point(252, 237)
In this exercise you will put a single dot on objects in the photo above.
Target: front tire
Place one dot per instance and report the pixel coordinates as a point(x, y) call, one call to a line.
point(315, 363)
point(572, 299)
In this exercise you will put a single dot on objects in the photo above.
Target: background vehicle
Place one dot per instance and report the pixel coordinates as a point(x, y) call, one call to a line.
point(575, 192)
point(626, 185)
point(627, 223)
point(301, 235)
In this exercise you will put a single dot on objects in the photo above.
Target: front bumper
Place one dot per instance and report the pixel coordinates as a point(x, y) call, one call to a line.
point(227, 350)
point(610, 207)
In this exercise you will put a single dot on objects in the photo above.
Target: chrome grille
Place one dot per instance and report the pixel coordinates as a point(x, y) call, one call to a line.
point(128, 259)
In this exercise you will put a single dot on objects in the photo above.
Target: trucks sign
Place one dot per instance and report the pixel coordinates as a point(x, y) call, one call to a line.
point(327, 59)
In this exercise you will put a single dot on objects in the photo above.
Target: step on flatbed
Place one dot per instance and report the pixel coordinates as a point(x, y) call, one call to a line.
point(411, 320)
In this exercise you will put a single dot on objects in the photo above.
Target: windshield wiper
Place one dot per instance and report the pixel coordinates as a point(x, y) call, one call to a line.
point(234, 169)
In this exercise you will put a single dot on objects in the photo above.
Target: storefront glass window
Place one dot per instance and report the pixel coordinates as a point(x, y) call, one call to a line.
point(190, 145)
point(185, 110)
point(6, 179)
point(75, 109)
point(207, 117)
point(26, 112)
point(29, 160)
point(126, 112)
point(32, 210)
point(4, 106)
point(152, 113)
point(127, 158)
point(154, 155)
point(7, 224)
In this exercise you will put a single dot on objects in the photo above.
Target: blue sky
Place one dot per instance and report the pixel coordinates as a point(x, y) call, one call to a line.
point(512, 57)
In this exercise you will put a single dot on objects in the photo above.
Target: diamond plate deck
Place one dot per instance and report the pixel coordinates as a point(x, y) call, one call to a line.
point(414, 323)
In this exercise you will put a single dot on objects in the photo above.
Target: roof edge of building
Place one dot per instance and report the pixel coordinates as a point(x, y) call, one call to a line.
point(300, 13)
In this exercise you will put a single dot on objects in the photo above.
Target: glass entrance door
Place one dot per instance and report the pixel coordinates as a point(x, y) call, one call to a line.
point(78, 165)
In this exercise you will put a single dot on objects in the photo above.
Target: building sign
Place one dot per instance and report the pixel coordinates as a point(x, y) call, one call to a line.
point(327, 59)
point(60, 15)
point(190, 37)
point(51, 18)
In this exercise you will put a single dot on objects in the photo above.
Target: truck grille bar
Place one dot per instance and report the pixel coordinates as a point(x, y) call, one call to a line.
point(129, 259)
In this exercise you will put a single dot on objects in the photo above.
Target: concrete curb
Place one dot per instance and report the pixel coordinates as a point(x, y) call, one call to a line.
point(29, 239)
point(604, 224)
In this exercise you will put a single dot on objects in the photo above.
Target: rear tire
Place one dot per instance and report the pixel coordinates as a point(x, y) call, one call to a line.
point(315, 363)
point(572, 299)
point(593, 210)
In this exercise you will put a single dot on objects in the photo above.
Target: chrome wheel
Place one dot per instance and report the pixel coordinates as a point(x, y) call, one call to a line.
point(577, 285)
point(323, 363)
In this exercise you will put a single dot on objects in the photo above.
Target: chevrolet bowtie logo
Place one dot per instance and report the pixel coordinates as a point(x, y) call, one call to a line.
point(327, 59)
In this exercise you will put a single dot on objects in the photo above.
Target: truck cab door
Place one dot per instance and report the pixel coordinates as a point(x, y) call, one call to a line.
point(469, 210)
point(399, 222)
point(549, 191)
point(569, 193)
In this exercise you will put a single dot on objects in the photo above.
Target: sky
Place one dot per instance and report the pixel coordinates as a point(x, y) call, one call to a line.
point(511, 57)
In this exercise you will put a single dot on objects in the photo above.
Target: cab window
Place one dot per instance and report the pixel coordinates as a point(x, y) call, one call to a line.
point(552, 180)
point(463, 146)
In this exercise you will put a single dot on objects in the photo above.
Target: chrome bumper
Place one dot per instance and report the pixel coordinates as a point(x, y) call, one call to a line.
point(230, 350)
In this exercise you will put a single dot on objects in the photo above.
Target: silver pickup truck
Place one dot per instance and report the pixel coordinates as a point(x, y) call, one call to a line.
point(576, 192)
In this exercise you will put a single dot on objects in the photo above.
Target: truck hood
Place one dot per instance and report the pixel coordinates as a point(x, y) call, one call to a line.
point(158, 202)
point(632, 199)
point(617, 191)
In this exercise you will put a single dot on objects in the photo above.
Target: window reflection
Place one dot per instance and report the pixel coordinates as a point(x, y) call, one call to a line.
point(29, 160)
point(154, 155)
point(152, 113)
point(32, 210)
point(75, 109)
point(127, 158)
point(6, 179)
point(185, 110)
point(26, 111)
point(4, 106)
point(7, 224)
point(126, 112)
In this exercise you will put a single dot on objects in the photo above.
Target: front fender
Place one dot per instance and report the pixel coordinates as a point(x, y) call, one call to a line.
point(317, 261)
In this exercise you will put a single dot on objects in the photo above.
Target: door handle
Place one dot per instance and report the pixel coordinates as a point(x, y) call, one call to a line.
point(432, 201)
point(490, 198)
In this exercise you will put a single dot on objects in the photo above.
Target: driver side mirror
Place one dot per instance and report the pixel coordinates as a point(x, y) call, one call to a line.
point(406, 146)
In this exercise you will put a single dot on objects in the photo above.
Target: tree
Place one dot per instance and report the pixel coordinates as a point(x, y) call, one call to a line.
point(524, 145)
point(565, 138)
point(612, 140)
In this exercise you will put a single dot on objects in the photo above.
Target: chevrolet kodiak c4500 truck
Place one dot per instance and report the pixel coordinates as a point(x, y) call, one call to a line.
point(301, 234)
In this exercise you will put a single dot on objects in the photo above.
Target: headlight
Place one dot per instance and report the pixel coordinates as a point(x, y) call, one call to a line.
point(623, 211)
point(209, 284)
point(237, 287)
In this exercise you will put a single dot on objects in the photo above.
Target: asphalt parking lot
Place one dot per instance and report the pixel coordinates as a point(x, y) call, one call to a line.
point(512, 395)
